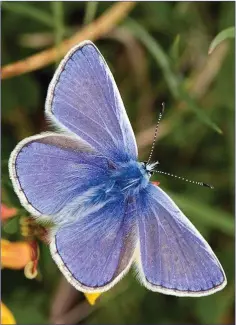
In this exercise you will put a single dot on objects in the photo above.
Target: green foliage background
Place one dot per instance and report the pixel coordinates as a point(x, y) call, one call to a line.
point(158, 53)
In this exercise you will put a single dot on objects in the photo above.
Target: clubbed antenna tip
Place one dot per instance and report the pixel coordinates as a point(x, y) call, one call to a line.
point(162, 108)
point(208, 185)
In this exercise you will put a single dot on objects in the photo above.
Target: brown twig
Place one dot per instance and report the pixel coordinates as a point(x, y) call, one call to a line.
point(69, 306)
point(93, 31)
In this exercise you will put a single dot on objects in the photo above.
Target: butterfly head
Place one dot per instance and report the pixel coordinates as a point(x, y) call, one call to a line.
point(149, 167)
point(131, 176)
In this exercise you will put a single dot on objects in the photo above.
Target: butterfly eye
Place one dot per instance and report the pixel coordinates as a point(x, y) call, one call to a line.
point(144, 165)
point(150, 173)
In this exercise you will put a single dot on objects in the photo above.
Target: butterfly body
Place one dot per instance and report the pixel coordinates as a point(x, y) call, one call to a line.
point(130, 178)
point(123, 181)
point(89, 183)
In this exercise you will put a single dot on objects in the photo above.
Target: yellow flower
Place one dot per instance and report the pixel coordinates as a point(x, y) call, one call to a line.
point(20, 255)
point(15, 255)
point(92, 297)
point(6, 315)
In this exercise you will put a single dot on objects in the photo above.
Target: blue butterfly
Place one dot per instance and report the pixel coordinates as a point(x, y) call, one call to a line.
point(88, 182)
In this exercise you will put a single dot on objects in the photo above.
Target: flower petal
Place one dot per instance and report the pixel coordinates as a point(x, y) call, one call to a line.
point(15, 255)
point(30, 270)
point(6, 212)
point(6, 315)
point(92, 297)
point(156, 183)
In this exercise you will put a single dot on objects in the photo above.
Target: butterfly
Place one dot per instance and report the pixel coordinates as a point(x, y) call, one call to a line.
point(88, 182)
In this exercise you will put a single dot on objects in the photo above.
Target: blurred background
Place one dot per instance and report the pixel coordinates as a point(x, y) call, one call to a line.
point(180, 53)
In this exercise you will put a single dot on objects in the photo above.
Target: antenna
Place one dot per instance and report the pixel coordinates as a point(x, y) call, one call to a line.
point(155, 134)
point(183, 179)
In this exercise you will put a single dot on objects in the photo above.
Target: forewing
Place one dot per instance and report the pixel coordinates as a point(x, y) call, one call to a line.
point(96, 251)
point(49, 170)
point(84, 98)
point(175, 259)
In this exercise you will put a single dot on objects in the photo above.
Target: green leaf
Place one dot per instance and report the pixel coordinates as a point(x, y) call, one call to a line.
point(11, 226)
point(175, 85)
point(222, 36)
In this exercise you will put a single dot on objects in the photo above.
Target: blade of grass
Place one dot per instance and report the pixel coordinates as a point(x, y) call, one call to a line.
point(222, 36)
point(90, 11)
point(214, 218)
point(28, 11)
point(177, 89)
point(175, 48)
point(58, 21)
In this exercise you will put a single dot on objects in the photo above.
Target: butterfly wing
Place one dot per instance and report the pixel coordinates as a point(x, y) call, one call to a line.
point(49, 170)
point(84, 99)
point(95, 252)
point(174, 257)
